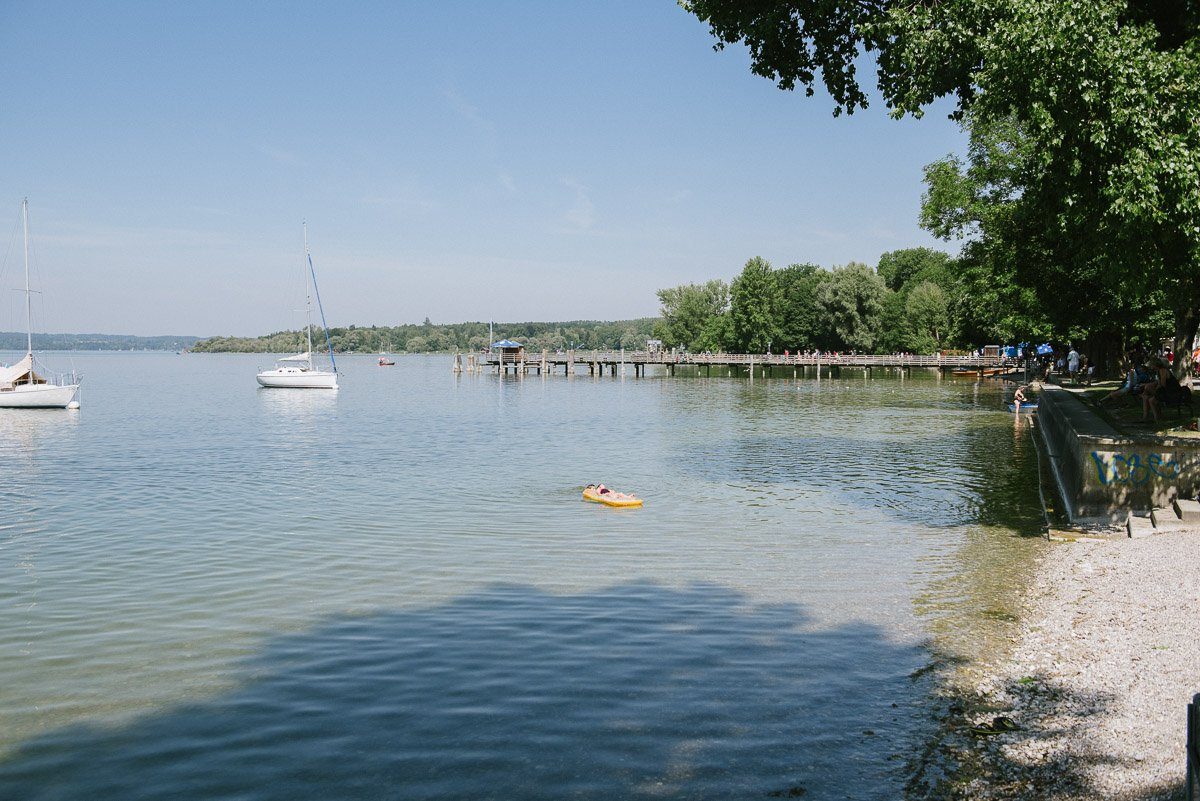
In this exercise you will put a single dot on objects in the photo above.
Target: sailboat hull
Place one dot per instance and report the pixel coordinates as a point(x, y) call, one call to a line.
point(298, 379)
point(38, 396)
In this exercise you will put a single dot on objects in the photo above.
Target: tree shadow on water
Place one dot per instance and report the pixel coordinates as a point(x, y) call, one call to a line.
point(634, 691)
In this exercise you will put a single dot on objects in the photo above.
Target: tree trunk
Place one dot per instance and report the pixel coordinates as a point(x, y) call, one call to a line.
point(1187, 319)
point(1105, 349)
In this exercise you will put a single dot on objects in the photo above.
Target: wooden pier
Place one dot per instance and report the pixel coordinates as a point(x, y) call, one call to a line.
point(620, 362)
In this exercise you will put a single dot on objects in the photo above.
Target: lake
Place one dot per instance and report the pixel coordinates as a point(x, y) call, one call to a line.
point(216, 591)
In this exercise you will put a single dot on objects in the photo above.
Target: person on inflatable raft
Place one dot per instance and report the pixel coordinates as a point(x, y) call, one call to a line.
point(608, 493)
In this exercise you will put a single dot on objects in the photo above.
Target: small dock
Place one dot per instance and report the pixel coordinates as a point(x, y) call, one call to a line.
point(621, 362)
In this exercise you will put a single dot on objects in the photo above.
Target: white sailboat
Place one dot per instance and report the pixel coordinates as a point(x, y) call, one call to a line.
point(21, 386)
point(299, 371)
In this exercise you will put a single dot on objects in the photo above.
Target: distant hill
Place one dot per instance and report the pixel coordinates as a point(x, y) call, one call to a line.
point(11, 340)
point(430, 338)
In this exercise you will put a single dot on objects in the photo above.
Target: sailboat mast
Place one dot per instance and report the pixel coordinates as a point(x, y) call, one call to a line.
point(28, 292)
point(307, 298)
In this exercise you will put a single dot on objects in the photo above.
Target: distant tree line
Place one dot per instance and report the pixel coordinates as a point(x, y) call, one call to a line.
point(429, 337)
point(911, 301)
point(12, 340)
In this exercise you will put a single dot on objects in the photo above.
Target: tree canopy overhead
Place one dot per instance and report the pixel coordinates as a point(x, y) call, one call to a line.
point(1104, 96)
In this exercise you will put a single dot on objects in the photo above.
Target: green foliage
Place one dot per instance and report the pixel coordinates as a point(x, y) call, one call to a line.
point(754, 306)
point(12, 340)
point(852, 298)
point(802, 323)
point(1090, 173)
point(927, 310)
point(430, 338)
point(901, 269)
point(688, 311)
point(893, 325)
point(805, 307)
point(717, 335)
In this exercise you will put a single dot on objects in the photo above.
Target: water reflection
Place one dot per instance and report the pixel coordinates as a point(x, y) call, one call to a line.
point(22, 431)
point(297, 416)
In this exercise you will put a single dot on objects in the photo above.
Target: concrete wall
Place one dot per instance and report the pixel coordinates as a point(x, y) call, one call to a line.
point(1102, 474)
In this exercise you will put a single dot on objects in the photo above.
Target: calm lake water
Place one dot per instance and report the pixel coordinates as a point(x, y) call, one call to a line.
point(394, 591)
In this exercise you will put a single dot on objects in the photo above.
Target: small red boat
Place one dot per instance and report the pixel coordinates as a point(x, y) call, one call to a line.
point(384, 361)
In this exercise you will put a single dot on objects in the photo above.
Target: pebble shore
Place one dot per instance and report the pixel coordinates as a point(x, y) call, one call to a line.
point(1098, 681)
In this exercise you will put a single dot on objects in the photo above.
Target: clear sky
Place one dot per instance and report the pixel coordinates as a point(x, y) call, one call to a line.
point(456, 160)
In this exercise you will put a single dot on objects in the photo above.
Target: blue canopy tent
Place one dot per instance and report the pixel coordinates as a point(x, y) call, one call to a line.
point(506, 343)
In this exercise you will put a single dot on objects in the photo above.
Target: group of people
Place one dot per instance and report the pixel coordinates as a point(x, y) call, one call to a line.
point(1077, 367)
point(1151, 380)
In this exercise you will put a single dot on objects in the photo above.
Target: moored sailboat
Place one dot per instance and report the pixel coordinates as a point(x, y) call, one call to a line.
point(21, 386)
point(300, 371)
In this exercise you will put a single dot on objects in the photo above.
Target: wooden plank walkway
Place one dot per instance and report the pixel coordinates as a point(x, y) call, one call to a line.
point(598, 360)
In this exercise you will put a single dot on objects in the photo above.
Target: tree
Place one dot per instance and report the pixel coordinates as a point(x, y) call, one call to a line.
point(801, 320)
point(717, 335)
point(927, 312)
point(1106, 92)
point(1016, 273)
point(853, 302)
point(901, 269)
point(893, 324)
point(688, 311)
point(754, 307)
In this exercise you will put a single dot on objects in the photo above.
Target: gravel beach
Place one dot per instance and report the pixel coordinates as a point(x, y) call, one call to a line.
point(1098, 682)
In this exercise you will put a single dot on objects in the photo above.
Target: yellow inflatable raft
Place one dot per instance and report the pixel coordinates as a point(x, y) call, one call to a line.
point(590, 494)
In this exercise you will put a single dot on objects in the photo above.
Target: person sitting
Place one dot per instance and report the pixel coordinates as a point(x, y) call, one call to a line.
point(1135, 380)
point(1020, 397)
point(1163, 382)
point(1165, 389)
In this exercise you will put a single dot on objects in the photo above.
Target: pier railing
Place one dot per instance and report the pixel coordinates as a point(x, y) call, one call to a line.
point(763, 360)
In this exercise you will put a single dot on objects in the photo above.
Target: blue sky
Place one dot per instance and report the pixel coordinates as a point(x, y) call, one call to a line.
point(456, 160)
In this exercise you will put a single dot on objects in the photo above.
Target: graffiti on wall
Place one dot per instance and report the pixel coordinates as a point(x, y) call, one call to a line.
point(1133, 469)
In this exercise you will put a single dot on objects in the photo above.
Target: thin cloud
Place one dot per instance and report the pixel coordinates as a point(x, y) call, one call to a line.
point(582, 213)
point(468, 111)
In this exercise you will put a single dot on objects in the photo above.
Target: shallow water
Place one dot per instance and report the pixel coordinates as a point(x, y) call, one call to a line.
point(216, 591)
